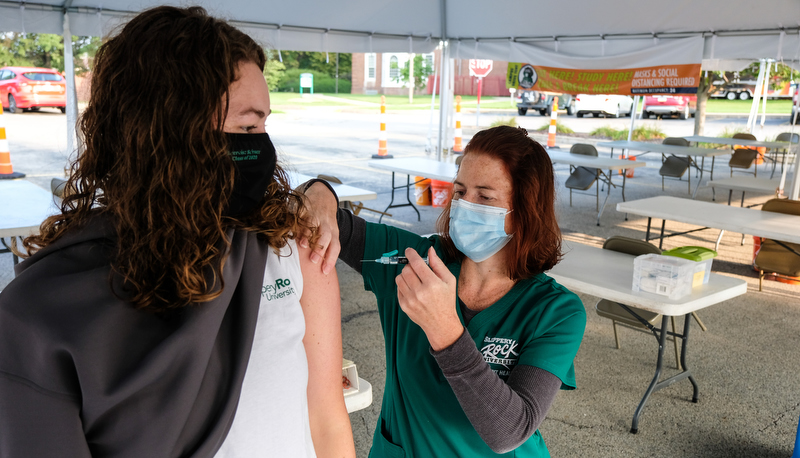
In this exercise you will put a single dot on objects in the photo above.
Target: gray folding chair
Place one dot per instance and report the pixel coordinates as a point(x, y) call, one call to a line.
point(582, 178)
point(785, 153)
point(675, 166)
point(779, 258)
point(743, 159)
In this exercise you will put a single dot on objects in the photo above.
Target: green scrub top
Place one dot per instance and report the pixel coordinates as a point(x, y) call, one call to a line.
point(538, 323)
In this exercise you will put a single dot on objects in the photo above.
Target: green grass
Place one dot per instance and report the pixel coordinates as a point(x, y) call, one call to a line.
point(641, 133)
point(393, 102)
point(743, 106)
point(560, 129)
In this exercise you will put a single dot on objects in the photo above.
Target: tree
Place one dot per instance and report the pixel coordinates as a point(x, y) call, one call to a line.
point(703, 90)
point(319, 61)
point(273, 70)
point(421, 72)
point(46, 50)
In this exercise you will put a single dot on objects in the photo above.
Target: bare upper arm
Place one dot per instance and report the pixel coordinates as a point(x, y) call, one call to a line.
point(323, 338)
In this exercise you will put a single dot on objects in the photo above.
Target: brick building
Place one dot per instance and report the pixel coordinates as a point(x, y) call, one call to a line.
point(377, 73)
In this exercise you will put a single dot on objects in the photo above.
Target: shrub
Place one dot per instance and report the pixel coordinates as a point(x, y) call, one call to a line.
point(560, 129)
point(504, 122)
point(640, 133)
point(726, 133)
point(323, 83)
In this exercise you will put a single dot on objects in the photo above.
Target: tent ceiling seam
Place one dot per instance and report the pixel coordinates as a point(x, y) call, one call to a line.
point(67, 7)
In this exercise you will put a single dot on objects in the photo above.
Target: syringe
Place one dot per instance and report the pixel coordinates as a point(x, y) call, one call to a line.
point(392, 260)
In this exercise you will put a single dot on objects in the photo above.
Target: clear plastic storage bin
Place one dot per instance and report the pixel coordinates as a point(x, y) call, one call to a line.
point(664, 275)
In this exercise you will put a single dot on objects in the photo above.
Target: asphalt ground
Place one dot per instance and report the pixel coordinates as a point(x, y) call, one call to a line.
point(746, 364)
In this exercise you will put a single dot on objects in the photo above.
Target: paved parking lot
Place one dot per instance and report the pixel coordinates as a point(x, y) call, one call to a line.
point(746, 363)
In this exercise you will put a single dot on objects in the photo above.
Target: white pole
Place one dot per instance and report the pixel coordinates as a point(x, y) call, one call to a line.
point(765, 91)
point(756, 98)
point(443, 80)
point(411, 79)
point(433, 101)
point(633, 122)
point(73, 141)
point(794, 189)
point(445, 58)
point(450, 104)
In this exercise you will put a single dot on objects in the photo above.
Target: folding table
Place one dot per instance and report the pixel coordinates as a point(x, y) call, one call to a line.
point(609, 275)
point(24, 207)
point(689, 151)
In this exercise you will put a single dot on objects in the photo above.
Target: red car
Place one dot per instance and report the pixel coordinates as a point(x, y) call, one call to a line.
point(31, 88)
point(681, 106)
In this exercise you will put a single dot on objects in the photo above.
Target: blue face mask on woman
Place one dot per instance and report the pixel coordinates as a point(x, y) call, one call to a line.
point(477, 230)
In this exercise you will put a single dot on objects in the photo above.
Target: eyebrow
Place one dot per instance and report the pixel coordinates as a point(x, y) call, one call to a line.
point(479, 187)
point(258, 113)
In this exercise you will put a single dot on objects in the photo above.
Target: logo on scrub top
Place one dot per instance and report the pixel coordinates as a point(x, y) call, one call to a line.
point(280, 289)
point(499, 351)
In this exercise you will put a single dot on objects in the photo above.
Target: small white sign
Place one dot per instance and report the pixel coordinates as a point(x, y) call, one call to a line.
point(307, 80)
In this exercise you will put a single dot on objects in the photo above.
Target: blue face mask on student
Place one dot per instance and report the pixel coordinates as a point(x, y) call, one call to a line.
point(477, 230)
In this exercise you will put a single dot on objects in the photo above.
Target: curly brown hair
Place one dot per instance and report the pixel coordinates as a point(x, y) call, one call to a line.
point(536, 244)
point(157, 160)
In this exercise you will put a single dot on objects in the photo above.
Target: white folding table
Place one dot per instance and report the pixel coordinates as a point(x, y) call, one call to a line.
point(24, 207)
point(771, 225)
point(609, 275)
point(413, 166)
point(747, 184)
point(744, 142)
point(599, 163)
point(343, 191)
point(689, 151)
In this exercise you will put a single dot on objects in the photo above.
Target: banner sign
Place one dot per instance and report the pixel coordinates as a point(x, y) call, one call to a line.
point(660, 79)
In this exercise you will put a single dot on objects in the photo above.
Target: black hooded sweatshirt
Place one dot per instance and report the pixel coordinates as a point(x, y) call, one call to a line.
point(83, 373)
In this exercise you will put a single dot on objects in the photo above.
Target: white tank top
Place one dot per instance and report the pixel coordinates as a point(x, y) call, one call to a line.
point(272, 416)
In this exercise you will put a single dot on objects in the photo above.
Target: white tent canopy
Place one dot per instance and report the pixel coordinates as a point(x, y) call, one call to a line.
point(481, 29)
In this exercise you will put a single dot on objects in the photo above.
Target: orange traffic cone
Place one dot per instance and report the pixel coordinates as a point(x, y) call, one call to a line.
point(551, 132)
point(457, 146)
point(6, 170)
point(383, 151)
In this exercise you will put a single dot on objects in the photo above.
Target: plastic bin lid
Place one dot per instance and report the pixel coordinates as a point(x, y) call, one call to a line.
point(693, 253)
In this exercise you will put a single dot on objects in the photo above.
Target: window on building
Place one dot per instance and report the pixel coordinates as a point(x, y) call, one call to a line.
point(370, 67)
point(394, 69)
point(428, 59)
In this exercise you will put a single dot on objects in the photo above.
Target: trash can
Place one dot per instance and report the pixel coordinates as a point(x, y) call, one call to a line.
point(441, 191)
point(702, 256)
point(422, 190)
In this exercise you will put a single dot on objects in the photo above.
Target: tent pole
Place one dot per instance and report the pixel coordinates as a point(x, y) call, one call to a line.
point(765, 91)
point(794, 187)
point(444, 78)
point(756, 98)
point(72, 95)
point(633, 122)
point(436, 72)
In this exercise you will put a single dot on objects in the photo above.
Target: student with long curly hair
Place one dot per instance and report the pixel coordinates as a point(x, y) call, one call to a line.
point(167, 310)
